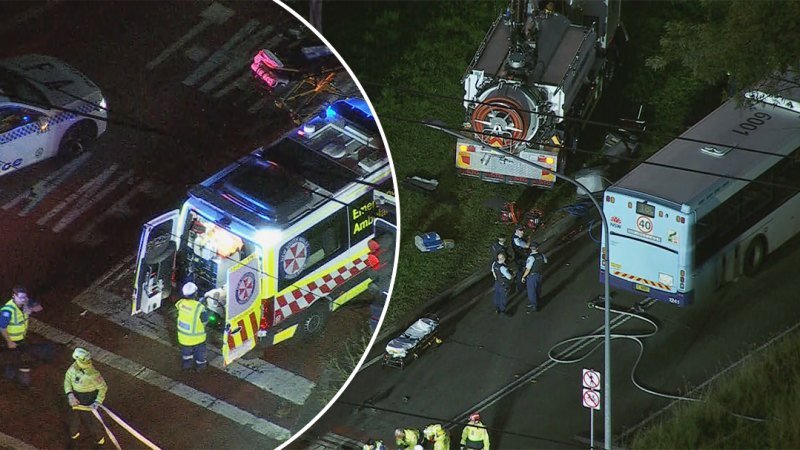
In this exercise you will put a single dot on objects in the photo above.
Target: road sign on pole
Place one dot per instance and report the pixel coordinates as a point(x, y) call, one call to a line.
point(591, 379)
point(591, 399)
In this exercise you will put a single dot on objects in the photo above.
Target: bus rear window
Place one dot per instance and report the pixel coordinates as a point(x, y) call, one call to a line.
point(646, 210)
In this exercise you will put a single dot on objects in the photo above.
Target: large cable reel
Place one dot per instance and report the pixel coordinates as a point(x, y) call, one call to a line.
point(505, 116)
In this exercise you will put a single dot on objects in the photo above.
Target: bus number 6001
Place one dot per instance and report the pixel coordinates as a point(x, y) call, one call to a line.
point(752, 123)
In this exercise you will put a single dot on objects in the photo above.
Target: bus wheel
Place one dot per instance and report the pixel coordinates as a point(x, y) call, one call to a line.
point(754, 256)
point(314, 321)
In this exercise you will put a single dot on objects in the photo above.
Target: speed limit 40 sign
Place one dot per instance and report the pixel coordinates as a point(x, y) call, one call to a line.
point(644, 224)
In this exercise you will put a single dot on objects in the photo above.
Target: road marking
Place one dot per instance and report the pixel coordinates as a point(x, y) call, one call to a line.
point(215, 14)
point(221, 54)
point(40, 190)
point(87, 190)
point(89, 234)
point(265, 376)
point(240, 59)
point(206, 401)
point(7, 441)
point(90, 199)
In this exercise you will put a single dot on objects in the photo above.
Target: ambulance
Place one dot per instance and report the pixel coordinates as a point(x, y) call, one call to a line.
point(279, 239)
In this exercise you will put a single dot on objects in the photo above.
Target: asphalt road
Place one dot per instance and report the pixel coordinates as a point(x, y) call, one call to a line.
point(175, 118)
point(483, 354)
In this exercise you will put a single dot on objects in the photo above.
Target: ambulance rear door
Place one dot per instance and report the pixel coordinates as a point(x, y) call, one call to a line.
point(242, 308)
point(155, 262)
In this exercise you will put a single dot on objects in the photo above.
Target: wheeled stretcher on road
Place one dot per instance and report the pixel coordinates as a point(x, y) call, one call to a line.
point(409, 345)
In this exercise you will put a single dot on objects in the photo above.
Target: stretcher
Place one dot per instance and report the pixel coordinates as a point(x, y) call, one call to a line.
point(409, 345)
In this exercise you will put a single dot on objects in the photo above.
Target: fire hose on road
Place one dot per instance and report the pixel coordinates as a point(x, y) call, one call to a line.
point(121, 423)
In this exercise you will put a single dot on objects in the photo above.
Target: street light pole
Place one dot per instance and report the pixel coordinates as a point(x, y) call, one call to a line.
point(605, 259)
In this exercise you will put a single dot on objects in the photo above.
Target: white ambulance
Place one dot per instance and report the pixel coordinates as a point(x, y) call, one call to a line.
point(279, 239)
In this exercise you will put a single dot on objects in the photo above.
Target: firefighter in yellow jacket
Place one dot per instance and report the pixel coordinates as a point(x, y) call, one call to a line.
point(406, 439)
point(437, 434)
point(475, 435)
point(192, 319)
point(84, 386)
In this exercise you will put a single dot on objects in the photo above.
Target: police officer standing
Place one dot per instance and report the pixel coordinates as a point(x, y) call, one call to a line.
point(475, 435)
point(499, 247)
point(85, 388)
point(502, 282)
point(532, 277)
point(14, 327)
point(192, 319)
point(521, 247)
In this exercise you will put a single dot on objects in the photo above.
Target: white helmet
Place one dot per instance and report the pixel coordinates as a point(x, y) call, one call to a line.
point(81, 355)
point(189, 289)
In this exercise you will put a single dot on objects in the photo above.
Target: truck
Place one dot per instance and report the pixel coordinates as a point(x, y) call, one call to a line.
point(279, 239)
point(540, 65)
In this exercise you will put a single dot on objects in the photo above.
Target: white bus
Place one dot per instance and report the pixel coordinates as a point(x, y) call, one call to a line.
point(678, 236)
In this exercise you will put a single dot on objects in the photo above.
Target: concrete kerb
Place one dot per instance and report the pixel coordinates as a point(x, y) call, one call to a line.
point(548, 237)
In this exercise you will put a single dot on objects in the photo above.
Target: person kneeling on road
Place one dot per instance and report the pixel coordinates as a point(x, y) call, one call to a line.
point(192, 319)
point(85, 387)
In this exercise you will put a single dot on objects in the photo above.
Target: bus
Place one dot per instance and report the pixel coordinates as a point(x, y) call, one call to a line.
point(679, 236)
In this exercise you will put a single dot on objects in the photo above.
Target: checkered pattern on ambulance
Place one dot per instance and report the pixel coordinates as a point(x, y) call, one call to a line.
point(244, 330)
point(303, 296)
point(642, 280)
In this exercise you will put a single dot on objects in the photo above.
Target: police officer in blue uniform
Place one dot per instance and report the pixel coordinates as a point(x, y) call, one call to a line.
point(521, 246)
point(499, 247)
point(532, 277)
point(502, 282)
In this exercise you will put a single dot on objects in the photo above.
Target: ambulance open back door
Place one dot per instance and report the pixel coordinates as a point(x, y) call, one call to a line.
point(155, 262)
point(243, 308)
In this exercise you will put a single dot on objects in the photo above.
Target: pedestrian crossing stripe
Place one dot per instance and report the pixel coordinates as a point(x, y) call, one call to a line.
point(642, 280)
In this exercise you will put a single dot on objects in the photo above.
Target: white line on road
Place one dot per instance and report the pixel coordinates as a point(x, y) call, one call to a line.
point(90, 199)
point(220, 55)
point(265, 376)
point(209, 402)
point(7, 441)
point(40, 190)
point(87, 190)
point(90, 235)
point(213, 15)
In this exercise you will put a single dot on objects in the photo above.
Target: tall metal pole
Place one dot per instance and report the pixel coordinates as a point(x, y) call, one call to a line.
point(604, 257)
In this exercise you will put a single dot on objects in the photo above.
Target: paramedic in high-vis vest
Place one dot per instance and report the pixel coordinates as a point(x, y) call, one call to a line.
point(85, 387)
point(14, 327)
point(192, 319)
point(475, 435)
point(438, 435)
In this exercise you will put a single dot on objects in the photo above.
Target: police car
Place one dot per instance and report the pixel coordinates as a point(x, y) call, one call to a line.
point(47, 108)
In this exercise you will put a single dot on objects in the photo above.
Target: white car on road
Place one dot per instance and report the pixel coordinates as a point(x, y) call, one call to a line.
point(47, 108)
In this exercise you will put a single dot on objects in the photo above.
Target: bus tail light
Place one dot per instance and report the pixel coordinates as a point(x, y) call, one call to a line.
point(683, 278)
point(265, 315)
point(610, 198)
point(680, 219)
point(630, 205)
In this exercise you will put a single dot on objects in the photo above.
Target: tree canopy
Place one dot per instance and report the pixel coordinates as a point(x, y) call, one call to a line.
point(750, 41)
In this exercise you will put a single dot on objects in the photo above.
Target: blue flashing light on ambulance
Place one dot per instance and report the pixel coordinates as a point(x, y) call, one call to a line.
point(679, 236)
point(279, 239)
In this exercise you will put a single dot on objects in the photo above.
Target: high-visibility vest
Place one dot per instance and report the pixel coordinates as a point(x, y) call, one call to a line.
point(191, 330)
point(475, 437)
point(18, 326)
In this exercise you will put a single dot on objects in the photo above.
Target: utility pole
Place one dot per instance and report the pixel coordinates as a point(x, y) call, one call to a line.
point(315, 14)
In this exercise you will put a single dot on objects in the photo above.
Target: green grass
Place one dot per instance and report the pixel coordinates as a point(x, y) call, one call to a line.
point(397, 47)
point(766, 387)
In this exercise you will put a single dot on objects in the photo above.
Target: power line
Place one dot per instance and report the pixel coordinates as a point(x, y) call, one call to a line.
point(579, 150)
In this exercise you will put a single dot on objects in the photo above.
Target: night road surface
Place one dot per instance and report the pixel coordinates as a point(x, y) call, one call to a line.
point(482, 354)
point(182, 104)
